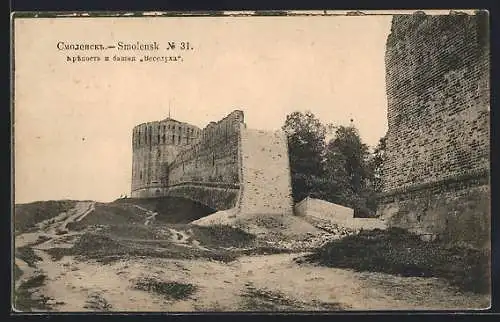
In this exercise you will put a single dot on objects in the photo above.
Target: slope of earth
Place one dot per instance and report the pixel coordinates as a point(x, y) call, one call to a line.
point(26, 216)
point(127, 256)
point(173, 210)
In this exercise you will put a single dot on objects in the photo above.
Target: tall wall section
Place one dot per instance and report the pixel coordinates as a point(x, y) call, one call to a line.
point(436, 176)
point(265, 172)
point(208, 170)
point(154, 145)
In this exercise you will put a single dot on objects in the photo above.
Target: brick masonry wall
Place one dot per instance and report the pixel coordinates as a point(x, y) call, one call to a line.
point(218, 198)
point(437, 76)
point(213, 158)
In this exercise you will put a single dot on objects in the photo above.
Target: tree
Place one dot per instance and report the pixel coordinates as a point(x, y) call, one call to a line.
point(377, 163)
point(342, 171)
point(306, 145)
point(347, 150)
point(347, 164)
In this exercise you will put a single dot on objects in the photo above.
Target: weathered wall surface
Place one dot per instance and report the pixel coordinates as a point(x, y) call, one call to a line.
point(454, 214)
point(265, 171)
point(208, 170)
point(213, 158)
point(438, 99)
point(324, 212)
point(437, 75)
point(325, 209)
point(218, 197)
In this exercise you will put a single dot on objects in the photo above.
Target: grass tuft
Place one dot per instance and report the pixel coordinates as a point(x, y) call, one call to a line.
point(222, 236)
point(171, 290)
point(258, 299)
point(96, 302)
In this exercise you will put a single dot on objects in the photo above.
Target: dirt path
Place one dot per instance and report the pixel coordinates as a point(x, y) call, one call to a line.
point(53, 225)
point(224, 286)
point(51, 229)
point(48, 230)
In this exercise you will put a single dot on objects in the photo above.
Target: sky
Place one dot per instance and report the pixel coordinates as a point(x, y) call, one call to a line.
point(73, 121)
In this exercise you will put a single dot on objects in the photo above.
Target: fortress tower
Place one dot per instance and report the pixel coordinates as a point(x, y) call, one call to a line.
point(436, 174)
point(155, 145)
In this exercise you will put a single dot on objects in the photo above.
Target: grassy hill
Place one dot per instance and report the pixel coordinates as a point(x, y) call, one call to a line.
point(172, 210)
point(27, 215)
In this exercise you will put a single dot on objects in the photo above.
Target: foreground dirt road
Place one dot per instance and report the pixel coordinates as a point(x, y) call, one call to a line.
point(254, 283)
point(242, 285)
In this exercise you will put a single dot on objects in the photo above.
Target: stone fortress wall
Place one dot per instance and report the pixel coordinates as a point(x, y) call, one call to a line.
point(208, 170)
point(224, 166)
point(436, 177)
point(213, 158)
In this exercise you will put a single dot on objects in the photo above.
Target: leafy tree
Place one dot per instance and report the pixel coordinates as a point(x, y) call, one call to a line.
point(342, 171)
point(306, 144)
point(347, 162)
point(377, 163)
point(348, 152)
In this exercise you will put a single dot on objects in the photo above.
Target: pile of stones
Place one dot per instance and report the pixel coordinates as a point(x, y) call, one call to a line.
point(335, 229)
point(314, 240)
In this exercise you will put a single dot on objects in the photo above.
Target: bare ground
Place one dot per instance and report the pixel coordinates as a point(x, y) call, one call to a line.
point(252, 283)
